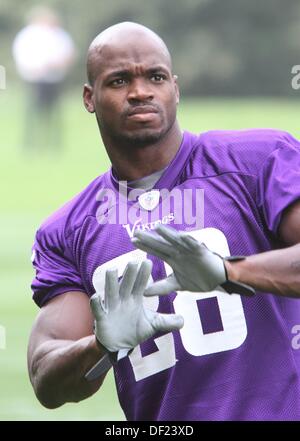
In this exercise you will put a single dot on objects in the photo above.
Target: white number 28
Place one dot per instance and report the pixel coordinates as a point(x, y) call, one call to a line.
point(230, 335)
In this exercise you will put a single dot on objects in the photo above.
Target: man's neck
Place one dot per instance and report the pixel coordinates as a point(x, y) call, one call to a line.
point(135, 163)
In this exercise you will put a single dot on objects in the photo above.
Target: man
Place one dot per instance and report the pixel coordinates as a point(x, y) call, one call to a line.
point(233, 357)
point(44, 53)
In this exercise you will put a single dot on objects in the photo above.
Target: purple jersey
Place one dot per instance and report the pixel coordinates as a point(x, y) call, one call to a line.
point(234, 359)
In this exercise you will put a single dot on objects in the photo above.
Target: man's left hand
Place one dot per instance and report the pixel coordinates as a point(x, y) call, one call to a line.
point(195, 267)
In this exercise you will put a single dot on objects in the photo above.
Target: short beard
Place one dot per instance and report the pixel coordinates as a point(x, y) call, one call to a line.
point(139, 140)
point(133, 139)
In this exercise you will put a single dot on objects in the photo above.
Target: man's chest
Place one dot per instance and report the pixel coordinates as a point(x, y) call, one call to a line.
point(207, 208)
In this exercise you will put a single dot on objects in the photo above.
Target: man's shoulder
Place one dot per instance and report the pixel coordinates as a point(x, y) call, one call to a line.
point(256, 137)
point(72, 214)
point(241, 151)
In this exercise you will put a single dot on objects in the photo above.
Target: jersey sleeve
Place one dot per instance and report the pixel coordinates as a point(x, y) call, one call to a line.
point(55, 269)
point(279, 181)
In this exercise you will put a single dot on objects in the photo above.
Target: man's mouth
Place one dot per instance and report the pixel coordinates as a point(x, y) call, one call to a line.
point(142, 113)
point(141, 110)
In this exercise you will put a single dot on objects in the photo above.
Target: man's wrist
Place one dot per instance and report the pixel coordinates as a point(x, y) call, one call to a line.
point(114, 356)
point(233, 284)
point(232, 270)
point(100, 345)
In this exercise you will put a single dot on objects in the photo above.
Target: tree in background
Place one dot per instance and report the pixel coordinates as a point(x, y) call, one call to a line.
point(220, 48)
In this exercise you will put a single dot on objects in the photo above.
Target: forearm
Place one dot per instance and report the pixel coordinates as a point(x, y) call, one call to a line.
point(277, 272)
point(58, 367)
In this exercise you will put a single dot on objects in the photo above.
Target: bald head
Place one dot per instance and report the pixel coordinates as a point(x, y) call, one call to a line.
point(126, 36)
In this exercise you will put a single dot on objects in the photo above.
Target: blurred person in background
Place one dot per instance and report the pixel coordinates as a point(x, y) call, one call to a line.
point(44, 53)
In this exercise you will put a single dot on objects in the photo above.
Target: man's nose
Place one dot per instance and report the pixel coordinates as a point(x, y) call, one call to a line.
point(140, 90)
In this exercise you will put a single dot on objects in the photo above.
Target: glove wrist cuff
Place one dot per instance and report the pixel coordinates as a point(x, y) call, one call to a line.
point(232, 287)
point(114, 356)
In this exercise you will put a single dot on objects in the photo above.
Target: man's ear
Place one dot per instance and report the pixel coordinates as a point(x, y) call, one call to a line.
point(88, 98)
point(175, 77)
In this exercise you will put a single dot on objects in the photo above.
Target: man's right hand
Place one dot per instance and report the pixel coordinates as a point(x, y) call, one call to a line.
point(122, 321)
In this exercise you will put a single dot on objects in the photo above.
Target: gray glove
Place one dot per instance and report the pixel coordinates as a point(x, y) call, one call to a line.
point(122, 322)
point(195, 267)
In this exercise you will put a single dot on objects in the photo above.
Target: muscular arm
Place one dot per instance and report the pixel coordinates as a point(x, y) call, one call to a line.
point(62, 348)
point(276, 271)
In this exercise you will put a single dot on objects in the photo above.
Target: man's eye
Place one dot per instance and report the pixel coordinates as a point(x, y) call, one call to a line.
point(118, 82)
point(158, 78)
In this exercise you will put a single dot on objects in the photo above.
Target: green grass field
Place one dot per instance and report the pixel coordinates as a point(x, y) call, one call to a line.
point(32, 186)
